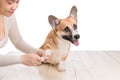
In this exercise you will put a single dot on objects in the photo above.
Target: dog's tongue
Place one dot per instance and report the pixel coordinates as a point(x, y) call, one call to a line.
point(76, 43)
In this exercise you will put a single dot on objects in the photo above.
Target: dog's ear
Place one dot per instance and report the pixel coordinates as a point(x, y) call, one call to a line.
point(73, 12)
point(54, 22)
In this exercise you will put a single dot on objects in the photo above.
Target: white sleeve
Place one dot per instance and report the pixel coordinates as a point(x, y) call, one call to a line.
point(6, 60)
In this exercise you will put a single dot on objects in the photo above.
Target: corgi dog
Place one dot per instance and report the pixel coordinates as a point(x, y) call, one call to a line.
point(63, 33)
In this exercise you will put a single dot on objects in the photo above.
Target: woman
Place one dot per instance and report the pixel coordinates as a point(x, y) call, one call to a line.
point(9, 29)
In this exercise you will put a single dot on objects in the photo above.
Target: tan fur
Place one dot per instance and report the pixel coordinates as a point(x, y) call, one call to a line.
point(50, 41)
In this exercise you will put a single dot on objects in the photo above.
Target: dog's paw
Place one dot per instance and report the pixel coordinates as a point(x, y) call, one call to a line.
point(61, 67)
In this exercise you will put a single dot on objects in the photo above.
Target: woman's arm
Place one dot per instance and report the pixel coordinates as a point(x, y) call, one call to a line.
point(26, 59)
point(16, 38)
point(20, 44)
point(6, 60)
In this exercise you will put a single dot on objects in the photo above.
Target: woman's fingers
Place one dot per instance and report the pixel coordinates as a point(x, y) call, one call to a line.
point(40, 52)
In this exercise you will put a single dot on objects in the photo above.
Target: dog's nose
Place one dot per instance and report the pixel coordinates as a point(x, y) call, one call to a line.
point(77, 36)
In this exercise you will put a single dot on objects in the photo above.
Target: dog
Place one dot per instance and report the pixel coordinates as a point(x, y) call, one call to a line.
point(58, 41)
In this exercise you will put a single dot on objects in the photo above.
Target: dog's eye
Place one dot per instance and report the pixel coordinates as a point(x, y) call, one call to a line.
point(75, 26)
point(67, 29)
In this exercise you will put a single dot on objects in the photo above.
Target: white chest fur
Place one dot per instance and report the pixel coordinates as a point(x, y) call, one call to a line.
point(63, 47)
point(57, 55)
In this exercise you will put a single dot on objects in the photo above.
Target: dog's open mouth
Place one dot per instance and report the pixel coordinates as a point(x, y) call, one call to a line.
point(76, 42)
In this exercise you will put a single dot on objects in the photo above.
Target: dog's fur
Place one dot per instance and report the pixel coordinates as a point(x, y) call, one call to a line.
point(64, 32)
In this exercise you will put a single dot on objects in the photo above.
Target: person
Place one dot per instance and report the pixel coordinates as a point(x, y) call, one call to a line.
point(9, 29)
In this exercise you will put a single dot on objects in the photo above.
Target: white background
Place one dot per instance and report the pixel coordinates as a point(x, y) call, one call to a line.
point(98, 22)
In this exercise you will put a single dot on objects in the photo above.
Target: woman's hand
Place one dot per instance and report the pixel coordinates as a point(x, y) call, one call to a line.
point(43, 55)
point(40, 52)
point(33, 59)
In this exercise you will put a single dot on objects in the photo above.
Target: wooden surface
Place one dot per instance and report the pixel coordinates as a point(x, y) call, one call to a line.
point(80, 65)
